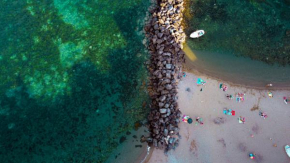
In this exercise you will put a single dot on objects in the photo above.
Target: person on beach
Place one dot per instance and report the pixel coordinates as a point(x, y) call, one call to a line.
point(230, 97)
point(199, 121)
point(223, 87)
point(252, 156)
point(240, 97)
point(184, 74)
point(241, 120)
point(186, 119)
point(285, 100)
point(263, 115)
point(270, 94)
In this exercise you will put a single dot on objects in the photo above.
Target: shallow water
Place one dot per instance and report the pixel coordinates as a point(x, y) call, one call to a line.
point(239, 70)
point(72, 78)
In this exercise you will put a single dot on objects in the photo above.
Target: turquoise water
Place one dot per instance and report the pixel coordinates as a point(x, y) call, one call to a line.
point(257, 29)
point(72, 78)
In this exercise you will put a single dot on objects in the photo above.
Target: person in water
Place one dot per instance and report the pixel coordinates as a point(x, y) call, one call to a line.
point(269, 85)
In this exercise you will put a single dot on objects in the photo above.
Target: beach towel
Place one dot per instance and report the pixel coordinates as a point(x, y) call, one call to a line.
point(225, 111)
point(200, 81)
point(233, 113)
point(184, 74)
point(185, 118)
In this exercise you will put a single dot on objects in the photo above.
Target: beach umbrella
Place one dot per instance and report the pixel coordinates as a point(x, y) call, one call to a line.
point(189, 120)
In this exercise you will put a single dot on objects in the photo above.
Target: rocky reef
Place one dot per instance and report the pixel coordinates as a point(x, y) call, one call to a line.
point(165, 36)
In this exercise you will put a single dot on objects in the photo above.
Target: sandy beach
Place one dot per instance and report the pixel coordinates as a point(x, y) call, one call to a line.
point(229, 141)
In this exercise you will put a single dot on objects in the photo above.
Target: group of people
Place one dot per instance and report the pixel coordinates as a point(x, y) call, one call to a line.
point(223, 87)
point(229, 112)
point(270, 94)
point(188, 120)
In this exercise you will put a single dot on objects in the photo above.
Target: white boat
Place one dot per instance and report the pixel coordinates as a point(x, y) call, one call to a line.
point(287, 149)
point(197, 34)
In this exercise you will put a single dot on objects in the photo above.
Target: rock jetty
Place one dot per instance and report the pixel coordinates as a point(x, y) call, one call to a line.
point(165, 36)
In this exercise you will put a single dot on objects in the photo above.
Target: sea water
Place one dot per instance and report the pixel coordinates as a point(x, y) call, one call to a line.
point(72, 78)
point(238, 31)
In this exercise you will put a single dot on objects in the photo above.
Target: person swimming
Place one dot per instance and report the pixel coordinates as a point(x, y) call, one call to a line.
point(269, 85)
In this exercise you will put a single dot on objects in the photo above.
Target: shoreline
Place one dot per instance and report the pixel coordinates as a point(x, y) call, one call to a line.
point(190, 67)
point(145, 156)
point(198, 72)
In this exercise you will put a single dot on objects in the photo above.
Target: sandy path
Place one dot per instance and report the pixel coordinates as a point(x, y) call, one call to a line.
point(229, 142)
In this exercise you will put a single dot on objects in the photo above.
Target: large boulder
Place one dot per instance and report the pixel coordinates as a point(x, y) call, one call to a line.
point(168, 87)
point(163, 110)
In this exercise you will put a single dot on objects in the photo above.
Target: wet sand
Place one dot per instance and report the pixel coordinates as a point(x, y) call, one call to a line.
point(230, 141)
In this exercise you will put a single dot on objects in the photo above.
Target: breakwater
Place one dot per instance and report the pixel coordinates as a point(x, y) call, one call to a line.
point(165, 36)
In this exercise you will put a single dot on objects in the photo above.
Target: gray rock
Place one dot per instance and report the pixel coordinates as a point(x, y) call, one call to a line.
point(171, 140)
point(170, 127)
point(159, 41)
point(156, 131)
point(162, 98)
point(160, 35)
point(166, 105)
point(168, 66)
point(160, 104)
point(168, 87)
point(167, 54)
point(156, 26)
point(159, 143)
point(168, 112)
point(168, 75)
point(163, 115)
point(163, 111)
point(165, 132)
point(155, 142)
point(163, 92)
